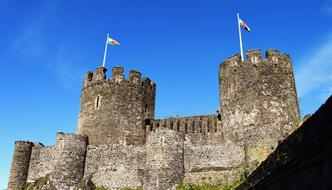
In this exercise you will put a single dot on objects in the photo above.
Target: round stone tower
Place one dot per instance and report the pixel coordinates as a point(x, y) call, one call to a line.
point(258, 100)
point(20, 165)
point(116, 110)
point(69, 167)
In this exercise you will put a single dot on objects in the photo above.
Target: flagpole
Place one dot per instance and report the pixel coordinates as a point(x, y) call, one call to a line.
point(238, 24)
point(105, 51)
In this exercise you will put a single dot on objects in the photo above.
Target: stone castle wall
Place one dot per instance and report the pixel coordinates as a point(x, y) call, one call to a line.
point(42, 161)
point(64, 161)
point(163, 161)
point(258, 101)
point(213, 163)
point(113, 111)
point(115, 166)
point(69, 164)
point(204, 129)
point(120, 144)
point(164, 166)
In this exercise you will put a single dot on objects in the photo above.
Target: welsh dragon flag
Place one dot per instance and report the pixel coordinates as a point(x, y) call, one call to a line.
point(244, 26)
point(112, 42)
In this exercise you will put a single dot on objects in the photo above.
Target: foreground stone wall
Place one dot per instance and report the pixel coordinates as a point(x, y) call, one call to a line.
point(115, 166)
point(302, 161)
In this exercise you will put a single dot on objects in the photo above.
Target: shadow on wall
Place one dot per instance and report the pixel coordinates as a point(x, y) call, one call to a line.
point(301, 161)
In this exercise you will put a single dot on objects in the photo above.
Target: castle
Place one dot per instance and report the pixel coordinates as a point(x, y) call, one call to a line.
point(119, 144)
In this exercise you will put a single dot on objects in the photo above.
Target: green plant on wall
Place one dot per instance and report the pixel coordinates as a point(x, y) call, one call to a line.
point(38, 184)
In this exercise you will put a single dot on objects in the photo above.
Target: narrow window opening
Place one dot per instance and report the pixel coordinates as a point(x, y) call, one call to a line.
point(151, 127)
point(147, 122)
point(219, 117)
point(146, 109)
point(208, 126)
point(97, 102)
point(177, 126)
point(186, 128)
point(193, 126)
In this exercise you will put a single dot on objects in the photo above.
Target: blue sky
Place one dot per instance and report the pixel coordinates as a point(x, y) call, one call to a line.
point(47, 46)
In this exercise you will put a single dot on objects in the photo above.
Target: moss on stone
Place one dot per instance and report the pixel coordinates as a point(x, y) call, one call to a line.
point(199, 187)
point(128, 188)
point(231, 186)
point(100, 188)
point(87, 184)
point(38, 184)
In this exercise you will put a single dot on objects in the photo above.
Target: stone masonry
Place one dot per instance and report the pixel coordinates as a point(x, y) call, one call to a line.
point(121, 145)
point(302, 160)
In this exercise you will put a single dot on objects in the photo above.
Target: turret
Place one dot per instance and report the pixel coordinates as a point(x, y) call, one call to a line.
point(258, 100)
point(20, 165)
point(68, 170)
point(115, 110)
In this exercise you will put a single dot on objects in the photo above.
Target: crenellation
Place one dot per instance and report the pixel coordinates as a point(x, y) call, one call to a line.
point(87, 78)
point(195, 124)
point(233, 60)
point(117, 74)
point(99, 74)
point(254, 56)
point(135, 77)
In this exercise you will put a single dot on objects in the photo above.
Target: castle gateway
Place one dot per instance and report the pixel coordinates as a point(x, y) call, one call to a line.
point(119, 144)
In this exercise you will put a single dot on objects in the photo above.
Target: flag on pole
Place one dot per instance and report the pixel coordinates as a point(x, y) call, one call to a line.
point(112, 42)
point(109, 41)
point(244, 25)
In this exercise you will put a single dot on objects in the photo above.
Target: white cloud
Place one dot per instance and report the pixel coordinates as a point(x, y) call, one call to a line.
point(66, 68)
point(32, 44)
point(314, 73)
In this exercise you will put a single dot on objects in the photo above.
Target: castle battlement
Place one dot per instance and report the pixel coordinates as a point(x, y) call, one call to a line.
point(192, 124)
point(119, 144)
point(203, 129)
point(255, 57)
point(118, 77)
